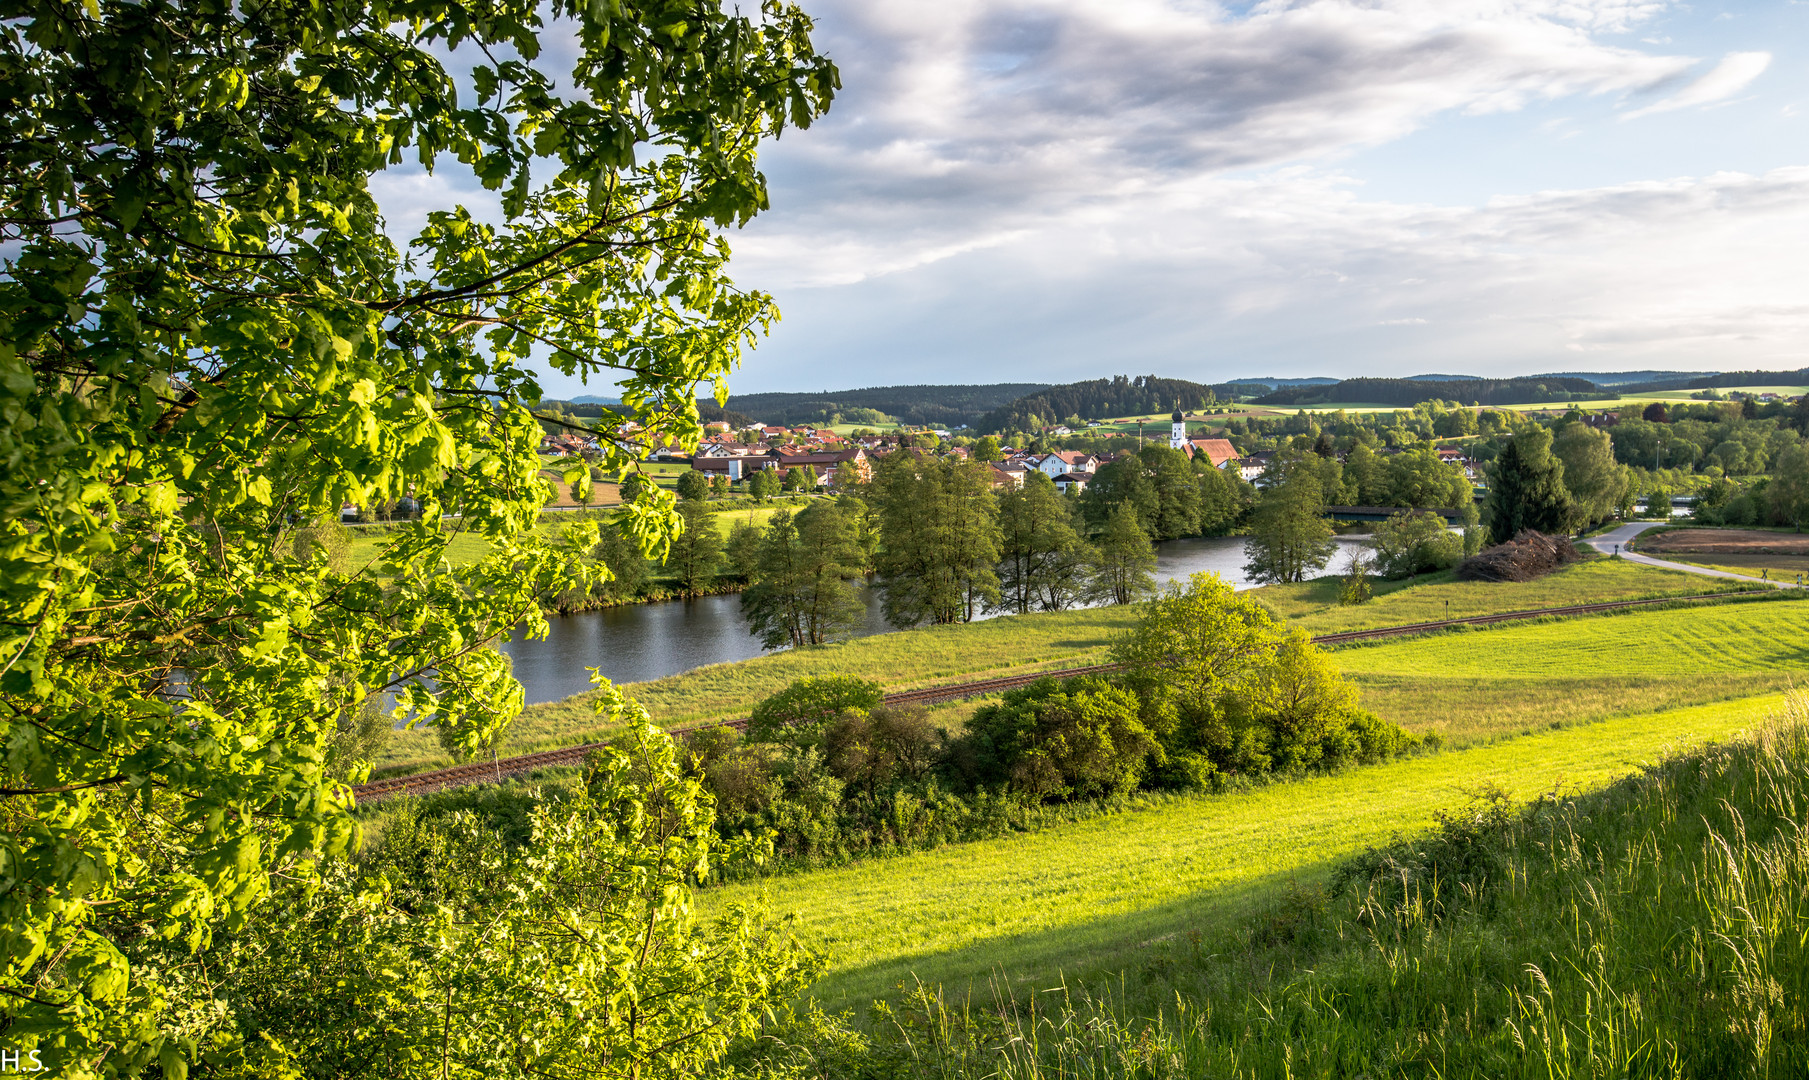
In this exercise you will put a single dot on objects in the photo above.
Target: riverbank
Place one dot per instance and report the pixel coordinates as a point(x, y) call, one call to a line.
point(1042, 641)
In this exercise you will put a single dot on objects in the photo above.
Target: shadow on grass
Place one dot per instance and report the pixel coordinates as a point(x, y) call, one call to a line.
point(1081, 951)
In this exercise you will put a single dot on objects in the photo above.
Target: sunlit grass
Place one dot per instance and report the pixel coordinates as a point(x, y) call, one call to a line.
point(1785, 568)
point(1313, 606)
point(1477, 685)
point(1077, 898)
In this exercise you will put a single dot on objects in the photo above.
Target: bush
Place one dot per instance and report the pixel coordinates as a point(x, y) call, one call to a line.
point(1415, 542)
point(801, 712)
point(869, 751)
point(693, 486)
point(1080, 736)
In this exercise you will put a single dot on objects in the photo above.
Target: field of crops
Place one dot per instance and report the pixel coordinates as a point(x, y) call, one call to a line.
point(1080, 898)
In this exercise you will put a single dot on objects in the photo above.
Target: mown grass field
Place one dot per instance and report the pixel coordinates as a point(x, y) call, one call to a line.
point(1778, 567)
point(921, 657)
point(1081, 899)
point(1313, 606)
point(1476, 685)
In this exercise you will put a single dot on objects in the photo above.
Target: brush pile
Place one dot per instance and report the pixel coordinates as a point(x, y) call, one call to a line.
point(1527, 556)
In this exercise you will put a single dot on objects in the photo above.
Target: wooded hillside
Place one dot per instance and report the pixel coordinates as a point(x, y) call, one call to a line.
point(942, 406)
point(1407, 392)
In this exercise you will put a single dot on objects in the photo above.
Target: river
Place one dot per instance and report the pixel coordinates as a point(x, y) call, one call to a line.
point(649, 641)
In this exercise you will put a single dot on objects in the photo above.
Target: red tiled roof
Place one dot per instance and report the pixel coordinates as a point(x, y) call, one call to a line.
point(1217, 451)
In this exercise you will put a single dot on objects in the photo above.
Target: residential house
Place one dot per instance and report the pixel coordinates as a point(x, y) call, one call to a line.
point(1077, 481)
point(1254, 465)
point(1057, 462)
point(832, 466)
point(1008, 474)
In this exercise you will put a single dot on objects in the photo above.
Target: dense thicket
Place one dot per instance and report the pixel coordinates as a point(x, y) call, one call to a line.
point(936, 406)
point(1408, 392)
point(491, 934)
point(1096, 399)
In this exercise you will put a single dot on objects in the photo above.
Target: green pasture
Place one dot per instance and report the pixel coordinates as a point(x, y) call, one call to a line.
point(1076, 900)
point(1780, 567)
point(1478, 685)
point(1313, 606)
point(921, 657)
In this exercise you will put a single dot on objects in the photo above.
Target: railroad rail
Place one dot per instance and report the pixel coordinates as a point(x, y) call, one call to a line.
point(499, 770)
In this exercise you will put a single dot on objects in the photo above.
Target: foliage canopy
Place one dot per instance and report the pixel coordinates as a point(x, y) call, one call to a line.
point(207, 339)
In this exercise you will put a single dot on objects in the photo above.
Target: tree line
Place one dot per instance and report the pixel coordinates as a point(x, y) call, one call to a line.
point(942, 546)
point(941, 406)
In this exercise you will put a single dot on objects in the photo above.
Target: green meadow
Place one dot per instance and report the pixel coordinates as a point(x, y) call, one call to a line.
point(1476, 684)
point(1313, 606)
point(1077, 900)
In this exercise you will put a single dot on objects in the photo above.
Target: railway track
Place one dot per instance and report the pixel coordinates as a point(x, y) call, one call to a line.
point(499, 770)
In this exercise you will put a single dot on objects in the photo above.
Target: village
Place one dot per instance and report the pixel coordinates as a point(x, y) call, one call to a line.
point(819, 459)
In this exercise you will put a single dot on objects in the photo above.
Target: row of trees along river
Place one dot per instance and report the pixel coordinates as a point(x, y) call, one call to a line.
point(925, 542)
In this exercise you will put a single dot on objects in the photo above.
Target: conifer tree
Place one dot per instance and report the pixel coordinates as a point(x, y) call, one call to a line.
point(1526, 488)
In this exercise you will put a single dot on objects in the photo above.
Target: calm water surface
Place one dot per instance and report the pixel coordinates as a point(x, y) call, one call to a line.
point(650, 641)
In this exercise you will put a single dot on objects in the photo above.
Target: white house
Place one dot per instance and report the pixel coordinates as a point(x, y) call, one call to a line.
point(1058, 462)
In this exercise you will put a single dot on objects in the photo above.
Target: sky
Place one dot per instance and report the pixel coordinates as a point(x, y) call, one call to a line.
point(1054, 190)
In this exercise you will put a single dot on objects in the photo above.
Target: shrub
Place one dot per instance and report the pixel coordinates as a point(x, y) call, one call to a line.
point(799, 713)
point(871, 751)
point(1415, 542)
point(1080, 737)
point(693, 486)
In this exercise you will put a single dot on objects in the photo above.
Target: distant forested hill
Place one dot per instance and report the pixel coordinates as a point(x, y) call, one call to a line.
point(1724, 379)
point(1097, 399)
point(1407, 392)
point(1619, 380)
point(941, 406)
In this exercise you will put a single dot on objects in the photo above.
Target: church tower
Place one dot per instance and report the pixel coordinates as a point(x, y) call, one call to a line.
point(1177, 431)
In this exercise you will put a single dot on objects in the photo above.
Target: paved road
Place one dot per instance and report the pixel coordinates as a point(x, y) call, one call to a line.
point(1606, 543)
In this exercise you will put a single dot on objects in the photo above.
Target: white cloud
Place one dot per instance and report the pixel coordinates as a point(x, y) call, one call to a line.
point(1221, 277)
point(1734, 73)
point(965, 120)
